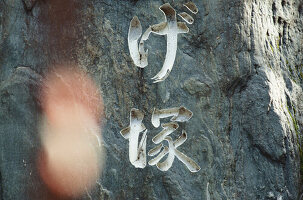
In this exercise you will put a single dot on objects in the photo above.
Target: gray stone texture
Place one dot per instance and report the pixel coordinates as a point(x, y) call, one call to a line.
point(239, 69)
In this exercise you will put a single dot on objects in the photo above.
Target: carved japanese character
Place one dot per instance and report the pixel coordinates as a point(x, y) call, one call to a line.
point(191, 7)
point(180, 114)
point(172, 153)
point(138, 54)
point(171, 28)
point(168, 128)
point(137, 152)
point(186, 17)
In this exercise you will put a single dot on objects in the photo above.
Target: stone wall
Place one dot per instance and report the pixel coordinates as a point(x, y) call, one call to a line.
point(239, 69)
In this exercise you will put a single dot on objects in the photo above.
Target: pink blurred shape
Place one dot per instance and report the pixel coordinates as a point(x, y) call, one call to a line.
point(72, 157)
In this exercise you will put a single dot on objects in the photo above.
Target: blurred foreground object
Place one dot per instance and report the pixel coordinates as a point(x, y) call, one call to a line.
point(72, 157)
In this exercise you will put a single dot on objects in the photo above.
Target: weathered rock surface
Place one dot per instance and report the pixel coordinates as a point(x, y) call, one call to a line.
point(239, 69)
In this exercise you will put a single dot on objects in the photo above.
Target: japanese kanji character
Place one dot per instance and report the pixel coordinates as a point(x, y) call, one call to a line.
point(169, 27)
point(137, 152)
point(180, 114)
point(172, 151)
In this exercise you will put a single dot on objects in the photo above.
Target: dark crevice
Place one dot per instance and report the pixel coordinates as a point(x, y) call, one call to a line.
point(141, 83)
point(285, 33)
point(288, 101)
point(3, 2)
point(300, 10)
point(274, 8)
point(135, 1)
point(281, 159)
point(200, 41)
point(230, 119)
point(280, 20)
point(252, 35)
point(238, 85)
point(252, 40)
point(263, 152)
point(28, 6)
point(142, 90)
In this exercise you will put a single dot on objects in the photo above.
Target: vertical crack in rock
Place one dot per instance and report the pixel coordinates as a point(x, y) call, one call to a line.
point(141, 83)
point(300, 9)
point(230, 120)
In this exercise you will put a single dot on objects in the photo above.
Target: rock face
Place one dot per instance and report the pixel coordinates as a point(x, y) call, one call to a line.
point(239, 69)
